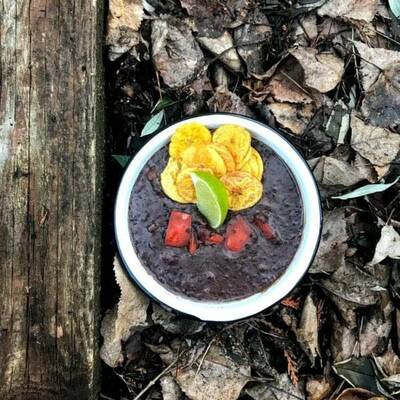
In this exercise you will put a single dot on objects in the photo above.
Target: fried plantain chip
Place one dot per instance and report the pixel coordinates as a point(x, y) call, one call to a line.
point(168, 180)
point(255, 165)
point(226, 155)
point(236, 139)
point(244, 190)
point(202, 156)
point(187, 135)
point(185, 184)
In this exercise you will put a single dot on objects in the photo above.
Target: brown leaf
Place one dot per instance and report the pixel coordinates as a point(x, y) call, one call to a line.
point(219, 377)
point(358, 394)
point(123, 21)
point(388, 245)
point(377, 145)
point(307, 332)
point(318, 388)
point(307, 26)
point(176, 54)
point(294, 117)
point(389, 362)
point(376, 327)
point(121, 322)
point(226, 101)
point(223, 47)
point(253, 39)
point(322, 71)
point(333, 246)
point(176, 324)
point(330, 171)
point(282, 389)
point(360, 10)
point(373, 61)
point(170, 389)
point(342, 339)
point(382, 101)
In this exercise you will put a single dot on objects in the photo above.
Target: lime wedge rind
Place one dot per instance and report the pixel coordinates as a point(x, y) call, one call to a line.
point(212, 198)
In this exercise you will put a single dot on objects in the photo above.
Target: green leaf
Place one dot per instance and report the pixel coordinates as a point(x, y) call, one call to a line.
point(122, 160)
point(366, 190)
point(153, 124)
point(395, 7)
point(162, 103)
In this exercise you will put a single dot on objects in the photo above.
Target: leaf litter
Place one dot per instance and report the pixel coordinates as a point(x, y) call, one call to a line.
point(324, 73)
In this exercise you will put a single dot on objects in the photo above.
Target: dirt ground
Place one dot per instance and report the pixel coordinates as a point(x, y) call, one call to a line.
point(327, 75)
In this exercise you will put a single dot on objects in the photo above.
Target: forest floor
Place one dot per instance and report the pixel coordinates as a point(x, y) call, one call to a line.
point(326, 74)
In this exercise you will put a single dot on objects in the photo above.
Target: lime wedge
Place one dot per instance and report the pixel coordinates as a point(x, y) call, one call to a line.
point(212, 197)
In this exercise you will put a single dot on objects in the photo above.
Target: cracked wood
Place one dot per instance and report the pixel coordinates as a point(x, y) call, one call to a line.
point(50, 163)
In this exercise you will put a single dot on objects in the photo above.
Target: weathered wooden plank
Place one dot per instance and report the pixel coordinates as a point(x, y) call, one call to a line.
point(50, 179)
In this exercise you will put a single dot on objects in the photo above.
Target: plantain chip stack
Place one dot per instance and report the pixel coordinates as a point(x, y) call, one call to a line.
point(227, 154)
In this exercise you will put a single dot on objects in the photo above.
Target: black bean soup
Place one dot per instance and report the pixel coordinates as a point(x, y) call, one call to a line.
point(213, 273)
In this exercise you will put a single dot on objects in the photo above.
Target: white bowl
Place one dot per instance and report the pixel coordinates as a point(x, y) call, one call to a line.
point(235, 309)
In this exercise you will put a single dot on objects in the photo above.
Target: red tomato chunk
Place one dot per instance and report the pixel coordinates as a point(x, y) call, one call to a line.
point(179, 229)
point(193, 243)
point(264, 227)
point(237, 234)
point(215, 238)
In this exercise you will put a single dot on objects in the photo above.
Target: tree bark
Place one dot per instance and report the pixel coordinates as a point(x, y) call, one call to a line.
point(50, 195)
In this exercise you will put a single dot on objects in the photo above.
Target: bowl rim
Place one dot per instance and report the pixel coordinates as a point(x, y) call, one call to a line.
point(233, 309)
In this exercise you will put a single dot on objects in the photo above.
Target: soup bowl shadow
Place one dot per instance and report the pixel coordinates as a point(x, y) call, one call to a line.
point(232, 309)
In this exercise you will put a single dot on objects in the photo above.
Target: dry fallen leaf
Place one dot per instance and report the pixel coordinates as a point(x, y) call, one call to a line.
point(176, 324)
point(376, 327)
point(294, 117)
point(382, 101)
point(307, 27)
point(342, 338)
point(355, 286)
point(123, 21)
point(373, 61)
point(377, 145)
point(358, 394)
point(176, 54)
point(120, 323)
point(388, 245)
point(322, 71)
point(282, 389)
point(219, 377)
point(333, 246)
point(319, 388)
point(223, 47)
point(226, 101)
point(360, 10)
point(389, 362)
point(253, 38)
point(330, 171)
point(170, 389)
point(307, 332)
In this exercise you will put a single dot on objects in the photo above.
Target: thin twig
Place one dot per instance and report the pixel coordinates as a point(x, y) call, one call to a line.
point(154, 381)
point(295, 83)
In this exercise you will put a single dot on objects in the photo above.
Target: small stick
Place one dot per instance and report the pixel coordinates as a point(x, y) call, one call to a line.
point(151, 383)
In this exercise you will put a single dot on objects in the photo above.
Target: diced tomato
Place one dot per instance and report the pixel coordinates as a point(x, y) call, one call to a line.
point(237, 234)
point(204, 234)
point(179, 229)
point(193, 243)
point(215, 238)
point(264, 227)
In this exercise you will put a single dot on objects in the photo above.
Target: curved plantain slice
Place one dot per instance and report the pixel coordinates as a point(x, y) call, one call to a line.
point(203, 156)
point(244, 190)
point(236, 139)
point(185, 186)
point(245, 160)
point(187, 135)
point(255, 165)
point(226, 155)
point(168, 181)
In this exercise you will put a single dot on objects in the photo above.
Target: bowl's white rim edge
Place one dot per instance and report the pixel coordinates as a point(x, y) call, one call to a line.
point(237, 309)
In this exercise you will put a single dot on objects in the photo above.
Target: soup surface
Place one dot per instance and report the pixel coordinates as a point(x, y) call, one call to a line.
point(213, 273)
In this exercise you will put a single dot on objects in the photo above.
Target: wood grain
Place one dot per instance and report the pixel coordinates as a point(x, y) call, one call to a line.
point(50, 196)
